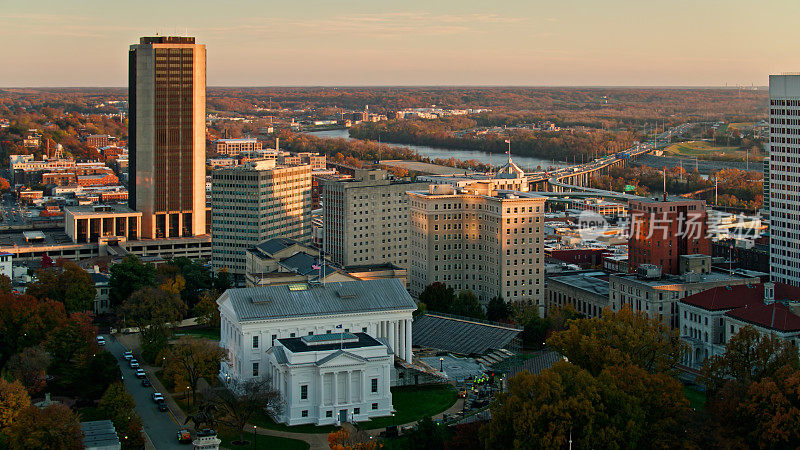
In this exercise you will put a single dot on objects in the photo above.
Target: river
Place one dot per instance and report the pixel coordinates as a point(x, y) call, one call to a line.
point(527, 163)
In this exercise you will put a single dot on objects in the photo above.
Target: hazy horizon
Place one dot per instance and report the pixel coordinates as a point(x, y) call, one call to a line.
point(580, 43)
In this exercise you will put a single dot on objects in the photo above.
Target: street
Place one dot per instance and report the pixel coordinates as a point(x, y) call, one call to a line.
point(161, 427)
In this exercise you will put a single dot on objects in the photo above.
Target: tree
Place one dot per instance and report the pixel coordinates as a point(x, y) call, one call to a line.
point(534, 328)
point(197, 277)
point(155, 312)
point(438, 297)
point(119, 405)
point(467, 305)
point(30, 368)
point(427, 436)
point(498, 310)
point(191, 359)
point(623, 407)
point(67, 283)
point(73, 336)
point(5, 285)
point(26, 321)
point(620, 338)
point(129, 276)
point(222, 281)
point(749, 357)
point(55, 427)
point(13, 399)
point(206, 309)
point(343, 439)
point(239, 400)
point(754, 392)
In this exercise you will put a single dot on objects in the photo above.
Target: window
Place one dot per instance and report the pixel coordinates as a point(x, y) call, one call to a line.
point(304, 413)
point(363, 329)
point(374, 385)
point(274, 337)
point(255, 341)
point(328, 413)
point(374, 406)
point(304, 392)
point(255, 369)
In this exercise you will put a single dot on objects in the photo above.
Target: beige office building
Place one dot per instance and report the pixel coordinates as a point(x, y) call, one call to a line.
point(366, 219)
point(256, 202)
point(477, 238)
point(167, 133)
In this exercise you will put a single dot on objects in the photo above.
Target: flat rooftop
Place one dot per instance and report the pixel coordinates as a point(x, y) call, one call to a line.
point(589, 282)
point(669, 280)
point(100, 210)
point(326, 342)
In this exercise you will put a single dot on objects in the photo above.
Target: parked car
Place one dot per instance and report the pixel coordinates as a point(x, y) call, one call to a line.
point(162, 406)
point(157, 397)
point(127, 356)
point(146, 382)
point(134, 364)
point(140, 373)
point(184, 437)
point(101, 340)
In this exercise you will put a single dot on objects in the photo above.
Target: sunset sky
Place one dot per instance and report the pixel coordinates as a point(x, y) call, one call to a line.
point(439, 42)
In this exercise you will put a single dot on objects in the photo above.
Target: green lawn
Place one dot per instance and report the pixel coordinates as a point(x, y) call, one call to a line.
point(697, 399)
point(707, 150)
point(264, 421)
point(261, 442)
point(206, 333)
point(415, 402)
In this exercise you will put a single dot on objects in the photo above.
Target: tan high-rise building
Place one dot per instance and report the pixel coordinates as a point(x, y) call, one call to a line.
point(167, 132)
point(477, 238)
point(366, 219)
point(256, 202)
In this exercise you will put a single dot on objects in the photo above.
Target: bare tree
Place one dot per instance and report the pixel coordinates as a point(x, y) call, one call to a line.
point(239, 400)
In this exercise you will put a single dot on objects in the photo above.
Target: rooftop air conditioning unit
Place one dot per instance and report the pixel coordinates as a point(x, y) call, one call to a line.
point(649, 271)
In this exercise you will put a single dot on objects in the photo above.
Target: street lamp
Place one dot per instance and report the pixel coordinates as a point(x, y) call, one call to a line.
point(188, 400)
point(441, 365)
point(255, 437)
point(392, 418)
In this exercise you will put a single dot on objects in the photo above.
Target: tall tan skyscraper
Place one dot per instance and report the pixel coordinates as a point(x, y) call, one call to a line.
point(166, 133)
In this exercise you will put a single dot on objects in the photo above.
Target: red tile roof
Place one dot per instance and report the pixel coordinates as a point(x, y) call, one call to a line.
point(727, 297)
point(775, 316)
point(731, 297)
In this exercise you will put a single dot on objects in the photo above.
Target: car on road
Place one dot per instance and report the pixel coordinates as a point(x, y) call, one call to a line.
point(134, 364)
point(157, 397)
point(140, 373)
point(101, 340)
point(162, 406)
point(146, 382)
point(127, 356)
point(184, 436)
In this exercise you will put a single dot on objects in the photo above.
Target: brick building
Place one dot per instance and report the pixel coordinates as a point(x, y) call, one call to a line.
point(661, 230)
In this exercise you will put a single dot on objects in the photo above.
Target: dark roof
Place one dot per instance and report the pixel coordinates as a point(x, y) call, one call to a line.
point(775, 316)
point(273, 246)
point(463, 336)
point(99, 277)
point(299, 344)
point(303, 264)
point(737, 296)
point(536, 364)
point(308, 300)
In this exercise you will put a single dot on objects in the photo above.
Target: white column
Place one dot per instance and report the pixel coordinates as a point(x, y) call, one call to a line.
point(391, 326)
point(408, 341)
point(335, 397)
point(401, 342)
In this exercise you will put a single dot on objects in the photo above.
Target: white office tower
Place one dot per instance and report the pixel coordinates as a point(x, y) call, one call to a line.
point(784, 176)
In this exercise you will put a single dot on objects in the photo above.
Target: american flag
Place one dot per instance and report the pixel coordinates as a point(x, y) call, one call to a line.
point(316, 267)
